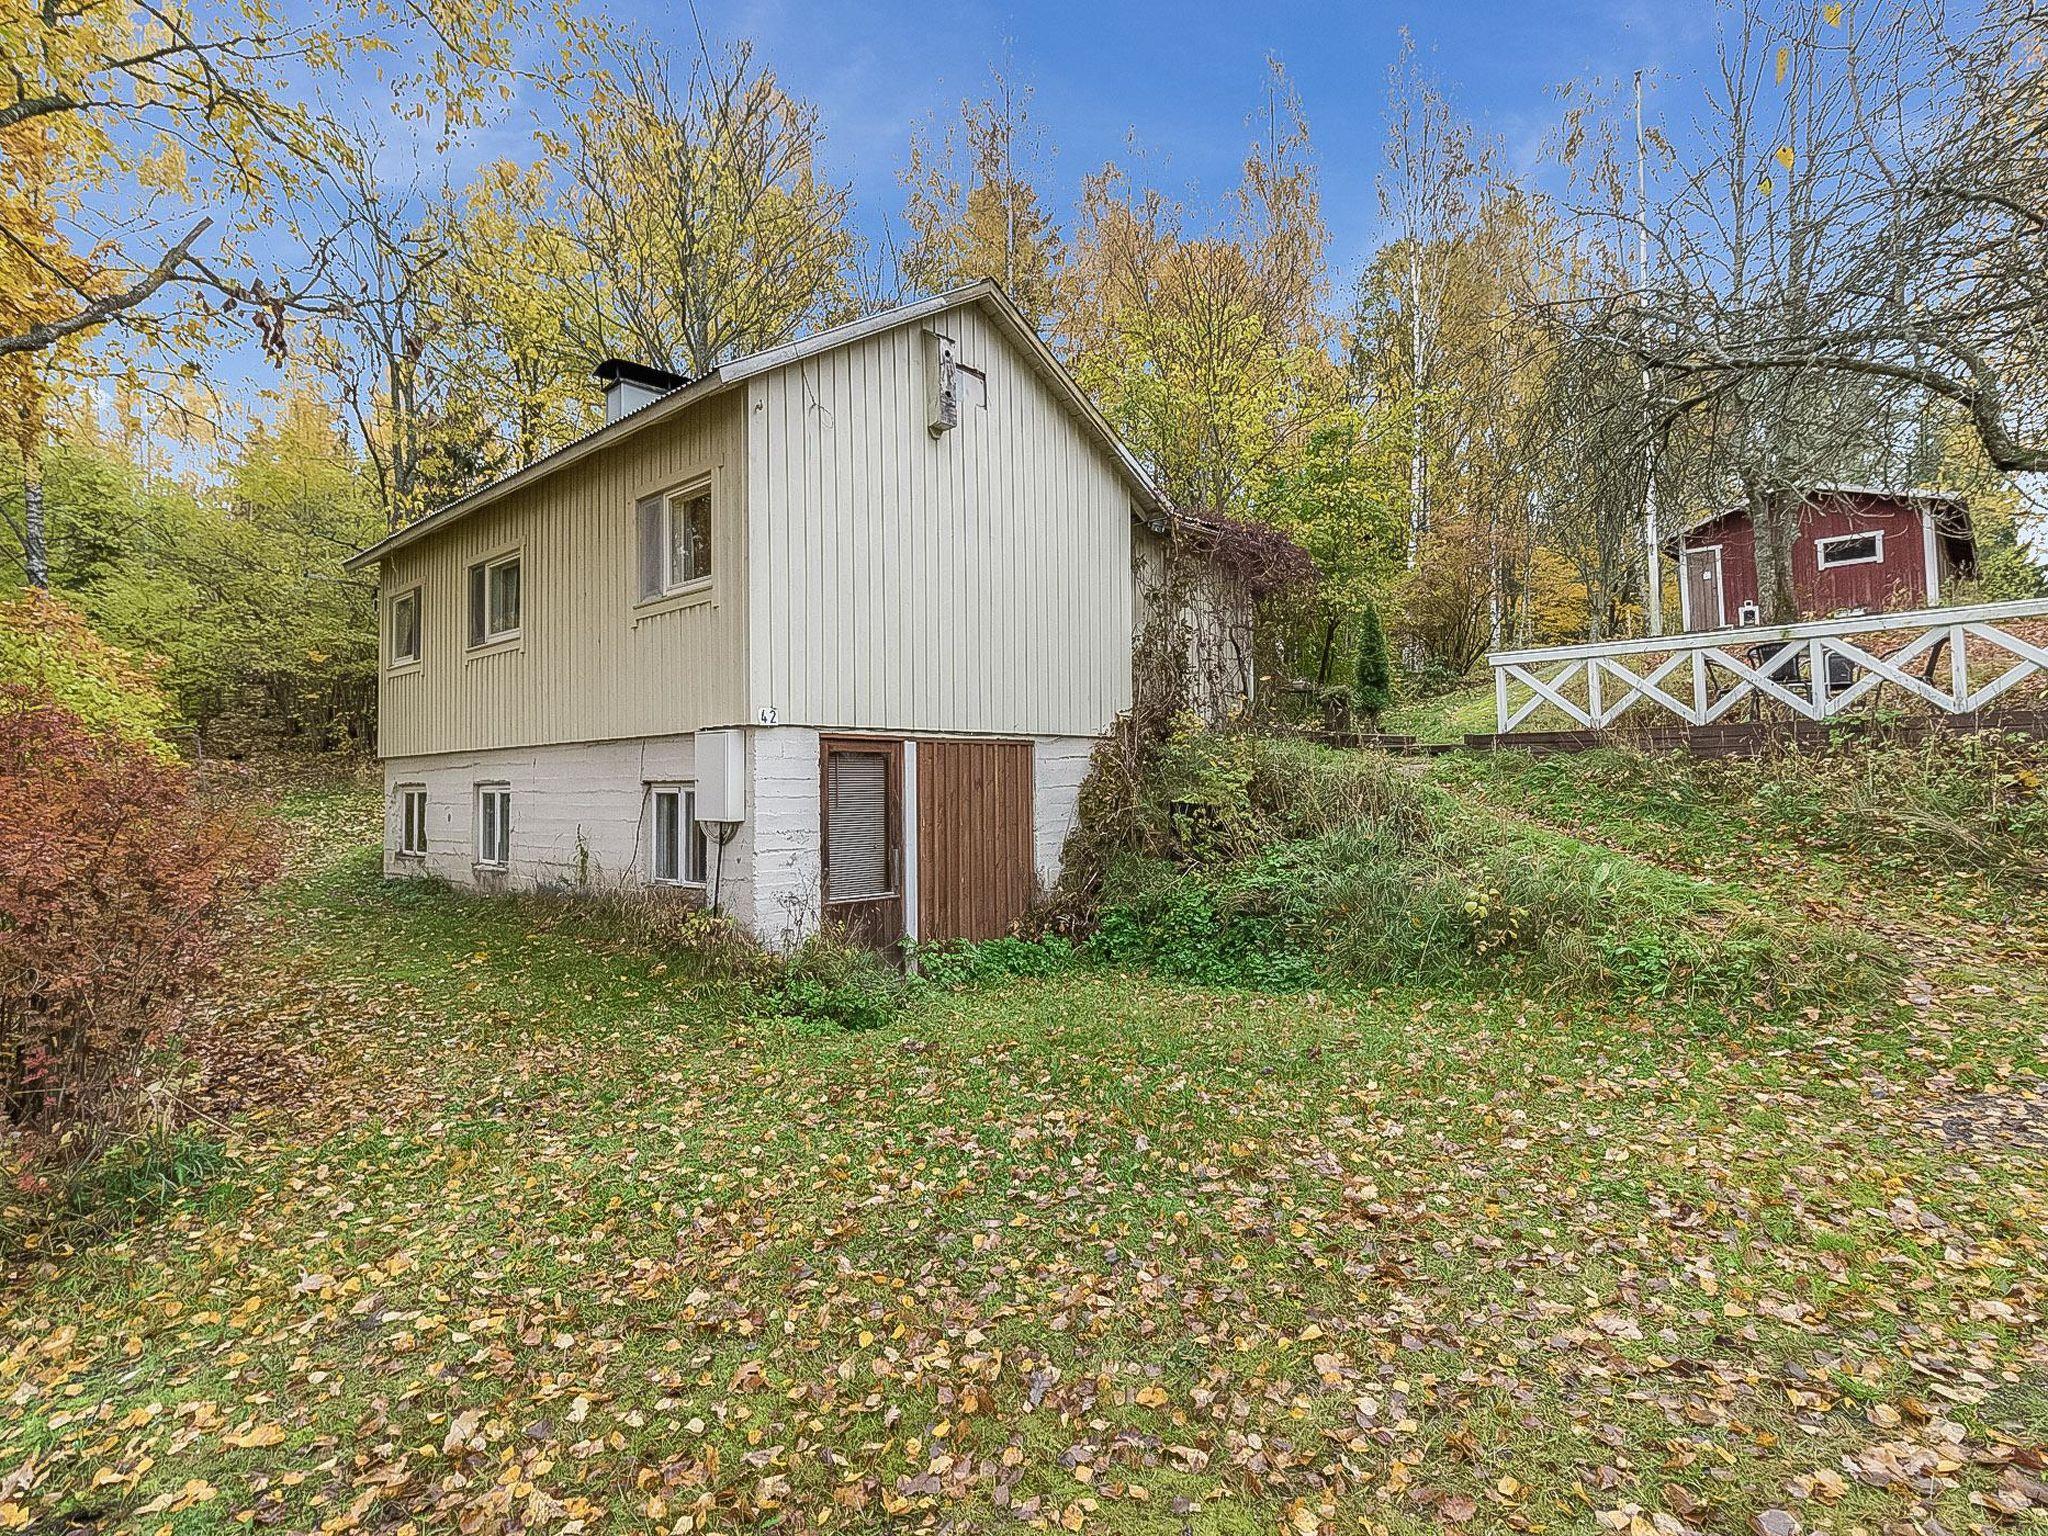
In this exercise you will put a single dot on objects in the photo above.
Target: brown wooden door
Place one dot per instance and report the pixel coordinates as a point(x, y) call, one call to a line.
point(975, 874)
point(861, 825)
point(1706, 603)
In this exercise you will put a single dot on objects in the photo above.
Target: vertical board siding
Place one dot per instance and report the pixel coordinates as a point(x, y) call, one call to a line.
point(1898, 581)
point(589, 666)
point(975, 837)
point(978, 581)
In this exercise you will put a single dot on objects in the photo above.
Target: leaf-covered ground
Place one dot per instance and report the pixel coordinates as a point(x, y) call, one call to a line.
point(498, 1229)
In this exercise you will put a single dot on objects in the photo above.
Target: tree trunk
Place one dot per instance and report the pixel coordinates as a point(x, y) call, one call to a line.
point(1418, 507)
point(34, 546)
point(1774, 521)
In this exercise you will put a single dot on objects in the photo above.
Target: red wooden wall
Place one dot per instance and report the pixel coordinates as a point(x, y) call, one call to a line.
point(1898, 581)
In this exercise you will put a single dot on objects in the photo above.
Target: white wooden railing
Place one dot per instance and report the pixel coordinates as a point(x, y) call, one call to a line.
point(1815, 669)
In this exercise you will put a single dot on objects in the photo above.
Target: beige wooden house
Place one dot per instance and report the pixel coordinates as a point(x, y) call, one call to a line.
point(828, 632)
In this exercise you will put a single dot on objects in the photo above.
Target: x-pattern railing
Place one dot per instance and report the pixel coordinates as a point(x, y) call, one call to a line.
point(1816, 670)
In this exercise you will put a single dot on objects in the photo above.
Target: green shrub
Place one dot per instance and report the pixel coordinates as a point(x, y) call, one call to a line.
point(1373, 682)
point(47, 651)
point(832, 981)
point(1278, 864)
point(960, 964)
point(1252, 928)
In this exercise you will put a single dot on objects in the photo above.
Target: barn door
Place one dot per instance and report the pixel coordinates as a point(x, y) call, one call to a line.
point(975, 874)
point(862, 826)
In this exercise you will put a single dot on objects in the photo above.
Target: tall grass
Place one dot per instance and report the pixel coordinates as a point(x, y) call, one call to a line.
point(1275, 863)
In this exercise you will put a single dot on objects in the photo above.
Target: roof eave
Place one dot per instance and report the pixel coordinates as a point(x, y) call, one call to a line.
point(612, 433)
point(985, 293)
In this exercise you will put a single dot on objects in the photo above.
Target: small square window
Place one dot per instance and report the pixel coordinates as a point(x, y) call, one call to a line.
point(493, 825)
point(675, 541)
point(405, 628)
point(412, 820)
point(1850, 549)
point(678, 852)
point(494, 590)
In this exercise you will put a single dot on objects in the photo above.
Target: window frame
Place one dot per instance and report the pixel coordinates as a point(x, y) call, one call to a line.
point(693, 854)
point(491, 639)
point(1821, 547)
point(669, 498)
point(407, 848)
point(494, 789)
point(979, 392)
point(395, 662)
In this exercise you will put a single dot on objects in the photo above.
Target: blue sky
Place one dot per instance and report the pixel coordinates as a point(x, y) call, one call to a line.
point(1178, 80)
point(1183, 78)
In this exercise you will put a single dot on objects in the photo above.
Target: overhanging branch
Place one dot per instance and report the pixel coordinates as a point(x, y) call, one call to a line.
point(103, 309)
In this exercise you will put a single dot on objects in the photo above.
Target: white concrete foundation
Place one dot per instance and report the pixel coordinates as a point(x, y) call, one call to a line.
point(580, 820)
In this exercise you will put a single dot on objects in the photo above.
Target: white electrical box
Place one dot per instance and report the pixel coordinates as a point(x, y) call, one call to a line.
point(941, 382)
point(721, 776)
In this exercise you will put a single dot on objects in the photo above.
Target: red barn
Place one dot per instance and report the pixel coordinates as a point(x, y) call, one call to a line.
point(1858, 550)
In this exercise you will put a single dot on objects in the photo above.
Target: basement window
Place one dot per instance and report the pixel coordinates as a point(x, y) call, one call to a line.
point(493, 825)
point(678, 853)
point(674, 530)
point(412, 821)
point(1849, 549)
point(494, 593)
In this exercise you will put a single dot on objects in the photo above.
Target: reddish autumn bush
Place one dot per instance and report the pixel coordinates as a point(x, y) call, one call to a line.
point(115, 881)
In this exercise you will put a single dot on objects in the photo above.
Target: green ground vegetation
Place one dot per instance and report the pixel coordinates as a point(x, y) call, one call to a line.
point(502, 1214)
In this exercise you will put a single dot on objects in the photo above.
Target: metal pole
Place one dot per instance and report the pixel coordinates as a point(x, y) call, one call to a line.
point(1653, 584)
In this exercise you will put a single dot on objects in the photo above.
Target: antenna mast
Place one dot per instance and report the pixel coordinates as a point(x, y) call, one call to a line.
point(1653, 586)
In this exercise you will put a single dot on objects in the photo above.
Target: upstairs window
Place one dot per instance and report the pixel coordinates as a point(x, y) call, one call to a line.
point(405, 628)
point(675, 540)
point(412, 820)
point(494, 600)
point(678, 854)
point(1850, 549)
point(493, 825)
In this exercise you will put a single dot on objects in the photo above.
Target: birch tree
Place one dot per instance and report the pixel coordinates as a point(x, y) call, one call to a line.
point(973, 206)
point(1423, 195)
point(509, 288)
point(1209, 347)
point(1898, 183)
point(697, 222)
point(171, 135)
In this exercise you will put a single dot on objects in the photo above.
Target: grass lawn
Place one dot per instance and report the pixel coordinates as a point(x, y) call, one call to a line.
point(496, 1225)
point(1448, 716)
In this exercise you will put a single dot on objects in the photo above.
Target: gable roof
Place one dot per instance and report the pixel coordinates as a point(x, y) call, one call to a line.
point(1819, 491)
point(987, 295)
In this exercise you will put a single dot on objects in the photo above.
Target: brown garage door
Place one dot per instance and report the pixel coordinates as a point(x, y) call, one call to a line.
point(974, 863)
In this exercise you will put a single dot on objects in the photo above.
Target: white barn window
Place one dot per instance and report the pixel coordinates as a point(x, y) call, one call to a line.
point(405, 628)
point(494, 597)
point(1849, 549)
